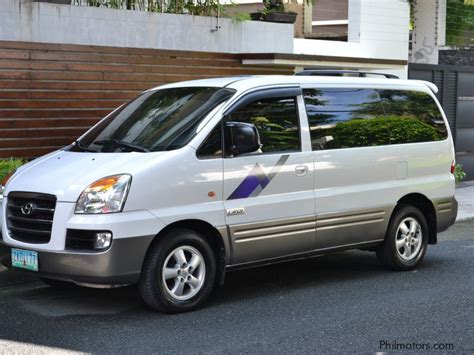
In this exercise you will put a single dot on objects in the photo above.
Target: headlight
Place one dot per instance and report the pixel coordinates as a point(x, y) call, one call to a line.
point(106, 195)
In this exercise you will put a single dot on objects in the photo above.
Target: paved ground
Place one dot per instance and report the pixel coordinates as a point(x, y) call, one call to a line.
point(343, 302)
point(465, 198)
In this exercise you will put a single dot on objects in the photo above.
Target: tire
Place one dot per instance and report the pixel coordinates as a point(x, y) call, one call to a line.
point(58, 284)
point(171, 287)
point(404, 250)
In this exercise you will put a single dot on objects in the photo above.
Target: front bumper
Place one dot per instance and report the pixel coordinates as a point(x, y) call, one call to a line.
point(120, 264)
point(132, 233)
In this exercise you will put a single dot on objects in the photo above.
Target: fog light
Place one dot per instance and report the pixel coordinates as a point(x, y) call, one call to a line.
point(103, 240)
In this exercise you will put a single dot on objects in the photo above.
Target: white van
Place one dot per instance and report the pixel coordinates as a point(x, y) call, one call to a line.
point(192, 179)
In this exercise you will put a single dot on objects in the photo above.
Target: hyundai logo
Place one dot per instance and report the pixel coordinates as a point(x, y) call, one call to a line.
point(28, 208)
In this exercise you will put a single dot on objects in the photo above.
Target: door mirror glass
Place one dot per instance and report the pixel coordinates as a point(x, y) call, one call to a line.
point(241, 138)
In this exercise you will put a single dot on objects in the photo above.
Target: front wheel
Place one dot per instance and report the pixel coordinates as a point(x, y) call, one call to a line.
point(178, 273)
point(407, 238)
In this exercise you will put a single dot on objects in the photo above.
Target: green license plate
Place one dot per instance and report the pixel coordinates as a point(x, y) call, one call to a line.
point(25, 259)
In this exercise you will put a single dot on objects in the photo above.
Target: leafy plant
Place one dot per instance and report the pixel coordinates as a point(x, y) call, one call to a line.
point(459, 174)
point(273, 6)
point(278, 6)
point(193, 7)
point(459, 20)
point(8, 167)
point(240, 17)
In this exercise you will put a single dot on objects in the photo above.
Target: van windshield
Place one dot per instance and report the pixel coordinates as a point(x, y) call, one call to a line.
point(158, 120)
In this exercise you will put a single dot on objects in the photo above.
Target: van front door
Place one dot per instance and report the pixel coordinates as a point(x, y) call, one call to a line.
point(268, 194)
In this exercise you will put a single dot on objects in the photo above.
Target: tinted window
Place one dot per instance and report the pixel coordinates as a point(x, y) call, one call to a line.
point(212, 146)
point(276, 120)
point(344, 118)
point(157, 120)
point(412, 116)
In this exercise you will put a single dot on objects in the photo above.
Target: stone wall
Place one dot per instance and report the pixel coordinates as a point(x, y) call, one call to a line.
point(457, 56)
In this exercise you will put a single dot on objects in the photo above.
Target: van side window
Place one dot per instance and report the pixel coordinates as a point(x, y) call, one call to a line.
point(276, 120)
point(345, 118)
point(412, 116)
point(212, 146)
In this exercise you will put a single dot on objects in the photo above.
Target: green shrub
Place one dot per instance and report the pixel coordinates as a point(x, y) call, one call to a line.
point(459, 173)
point(8, 167)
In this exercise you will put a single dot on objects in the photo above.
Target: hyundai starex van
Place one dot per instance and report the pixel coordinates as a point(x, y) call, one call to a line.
point(193, 179)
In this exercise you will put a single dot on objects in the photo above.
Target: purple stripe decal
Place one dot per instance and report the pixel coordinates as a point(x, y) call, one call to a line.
point(256, 178)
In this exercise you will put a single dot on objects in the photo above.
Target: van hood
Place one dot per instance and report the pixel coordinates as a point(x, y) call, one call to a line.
point(66, 174)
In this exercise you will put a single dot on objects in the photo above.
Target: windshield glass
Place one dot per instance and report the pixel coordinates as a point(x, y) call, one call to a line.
point(159, 120)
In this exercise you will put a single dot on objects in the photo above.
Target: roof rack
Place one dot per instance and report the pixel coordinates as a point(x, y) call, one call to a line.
point(324, 72)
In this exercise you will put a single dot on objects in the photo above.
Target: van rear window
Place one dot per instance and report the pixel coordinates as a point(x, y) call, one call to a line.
point(347, 118)
point(416, 110)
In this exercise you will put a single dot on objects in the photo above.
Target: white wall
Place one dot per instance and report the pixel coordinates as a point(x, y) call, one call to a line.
point(378, 29)
point(429, 31)
point(51, 23)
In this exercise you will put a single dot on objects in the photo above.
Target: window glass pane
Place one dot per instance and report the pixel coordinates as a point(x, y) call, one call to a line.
point(412, 116)
point(158, 120)
point(212, 146)
point(276, 120)
point(345, 118)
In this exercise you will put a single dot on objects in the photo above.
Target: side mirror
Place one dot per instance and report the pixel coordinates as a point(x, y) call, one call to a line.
point(241, 138)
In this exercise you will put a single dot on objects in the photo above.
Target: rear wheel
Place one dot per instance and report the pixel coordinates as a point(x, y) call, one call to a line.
point(406, 240)
point(178, 273)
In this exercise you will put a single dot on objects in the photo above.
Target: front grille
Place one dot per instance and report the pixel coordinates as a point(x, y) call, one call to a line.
point(30, 216)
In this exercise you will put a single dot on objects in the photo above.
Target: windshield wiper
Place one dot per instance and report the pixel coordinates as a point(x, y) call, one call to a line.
point(82, 147)
point(122, 144)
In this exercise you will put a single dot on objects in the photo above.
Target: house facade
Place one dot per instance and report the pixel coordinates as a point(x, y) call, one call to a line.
point(63, 67)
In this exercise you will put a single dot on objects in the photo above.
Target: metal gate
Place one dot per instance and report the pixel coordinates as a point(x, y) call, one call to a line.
point(456, 94)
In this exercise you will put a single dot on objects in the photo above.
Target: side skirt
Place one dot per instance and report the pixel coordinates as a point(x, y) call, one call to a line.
point(305, 255)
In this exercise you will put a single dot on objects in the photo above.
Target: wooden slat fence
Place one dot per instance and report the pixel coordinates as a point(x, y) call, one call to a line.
point(51, 93)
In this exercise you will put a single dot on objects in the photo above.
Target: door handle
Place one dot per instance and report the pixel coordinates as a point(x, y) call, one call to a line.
point(301, 170)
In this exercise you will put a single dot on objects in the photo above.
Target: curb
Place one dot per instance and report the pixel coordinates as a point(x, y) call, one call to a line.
point(463, 184)
point(465, 219)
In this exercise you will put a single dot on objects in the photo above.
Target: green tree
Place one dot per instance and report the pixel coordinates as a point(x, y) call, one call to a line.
point(459, 22)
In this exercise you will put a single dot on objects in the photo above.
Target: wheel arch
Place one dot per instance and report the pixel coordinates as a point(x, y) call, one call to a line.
point(209, 233)
point(426, 207)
